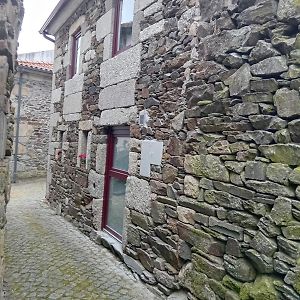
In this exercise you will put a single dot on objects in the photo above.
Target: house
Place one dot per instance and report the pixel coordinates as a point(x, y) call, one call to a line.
point(35, 79)
point(175, 140)
point(12, 13)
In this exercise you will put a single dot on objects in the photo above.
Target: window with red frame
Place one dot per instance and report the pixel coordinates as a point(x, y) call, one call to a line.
point(75, 60)
point(117, 163)
point(123, 25)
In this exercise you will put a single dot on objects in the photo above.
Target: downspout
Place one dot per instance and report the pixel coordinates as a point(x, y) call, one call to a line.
point(48, 37)
point(18, 126)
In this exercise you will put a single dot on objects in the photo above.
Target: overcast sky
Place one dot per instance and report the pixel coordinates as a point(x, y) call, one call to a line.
point(36, 14)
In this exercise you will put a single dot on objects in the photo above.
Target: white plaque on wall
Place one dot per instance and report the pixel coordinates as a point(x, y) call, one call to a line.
point(151, 154)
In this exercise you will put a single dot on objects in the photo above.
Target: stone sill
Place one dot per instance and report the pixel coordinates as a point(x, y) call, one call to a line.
point(109, 242)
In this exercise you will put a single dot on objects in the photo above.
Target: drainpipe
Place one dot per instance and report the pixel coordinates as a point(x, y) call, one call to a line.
point(18, 126)
point(48, 37)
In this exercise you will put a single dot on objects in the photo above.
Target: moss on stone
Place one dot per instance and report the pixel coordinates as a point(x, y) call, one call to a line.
point(218, 288)
point(245, 291)
point(291, 232)
point(297, 2)
point(232, 283)
point(263, 289)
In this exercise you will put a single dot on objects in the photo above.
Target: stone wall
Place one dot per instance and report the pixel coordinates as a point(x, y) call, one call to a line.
point(34, 121)
point(223, 86)
point(11, 15)
point(219, 218)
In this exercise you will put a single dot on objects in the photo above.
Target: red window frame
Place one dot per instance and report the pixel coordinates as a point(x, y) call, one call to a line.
point(117, 24)
point(111, 172)
point(74, 54)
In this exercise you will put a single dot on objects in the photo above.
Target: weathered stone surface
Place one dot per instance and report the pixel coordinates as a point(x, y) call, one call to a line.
point(292, 277)
point(288, 10)
point(214, 45)
point(212, 270)
point(169, 174)
point(279, 173)
point(158, 212)
point(262, 51)
point(224, 199)
point(135, 188)
point(280, 153)
point(206, 165)
point(191, 186)
point(234, 190)
point(270, 188)
point(287, 103)
point(294, 129)
point(262, 263)
point(96, 184)
point(200, 239)
point(289, 247)
point(263, 244)
point(140, 220)
point(177, 122)
point(164, 278)
point(186, 215)
point(255, 170)
point(281, 212)
point(196, 282)
point(292, 232)
point(294, 176)
point(264, 85)
point(263, 288)
point(184, 250)
point(233, 247)
point(268, 227)
point(226, 228)
point(243, 219)
point(240, 268)
point(239, 82)
point(263, 122)
point(270, 66)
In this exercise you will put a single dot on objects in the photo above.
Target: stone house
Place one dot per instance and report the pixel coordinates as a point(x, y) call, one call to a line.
point(11, 16)
point(175, 140)
point(33, 136)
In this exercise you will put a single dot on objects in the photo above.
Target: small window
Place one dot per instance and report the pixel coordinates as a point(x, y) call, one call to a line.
point(123, 25)
point(83, 150)
point(76, 44)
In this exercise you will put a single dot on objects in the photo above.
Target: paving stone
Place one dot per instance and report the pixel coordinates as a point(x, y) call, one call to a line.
point(57, 261)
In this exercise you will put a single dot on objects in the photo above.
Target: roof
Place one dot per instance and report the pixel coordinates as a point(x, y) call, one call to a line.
point(63, 10)
point(39, 66)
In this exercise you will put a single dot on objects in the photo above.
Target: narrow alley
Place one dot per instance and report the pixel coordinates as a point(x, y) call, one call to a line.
point(48, 258)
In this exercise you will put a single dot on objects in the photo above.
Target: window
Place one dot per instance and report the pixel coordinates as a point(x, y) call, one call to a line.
point(59, 154)
point(84, 143)
point(123, 25)
point(75, 61)
point(115, 181)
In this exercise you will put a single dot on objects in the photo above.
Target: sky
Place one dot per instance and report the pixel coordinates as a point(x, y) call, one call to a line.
point(36, 14)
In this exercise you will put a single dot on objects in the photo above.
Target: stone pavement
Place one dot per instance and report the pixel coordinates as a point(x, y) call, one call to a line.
point(48, 258)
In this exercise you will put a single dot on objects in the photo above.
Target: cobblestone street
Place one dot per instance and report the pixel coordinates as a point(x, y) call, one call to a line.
point(47, 258)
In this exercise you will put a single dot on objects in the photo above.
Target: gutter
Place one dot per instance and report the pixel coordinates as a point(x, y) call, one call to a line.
point(57, 8)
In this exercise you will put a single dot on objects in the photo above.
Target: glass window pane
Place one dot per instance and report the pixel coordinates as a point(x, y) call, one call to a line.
point(121, 153)
point(78, 50)
point(116, 205)
point(126, 20)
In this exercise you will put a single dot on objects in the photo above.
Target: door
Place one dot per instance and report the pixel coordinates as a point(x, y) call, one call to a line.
point(115, 181)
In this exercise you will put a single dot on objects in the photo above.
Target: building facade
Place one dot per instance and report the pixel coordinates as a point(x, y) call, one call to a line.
point(175, 140)
point(11, 16)
point(34, 83)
